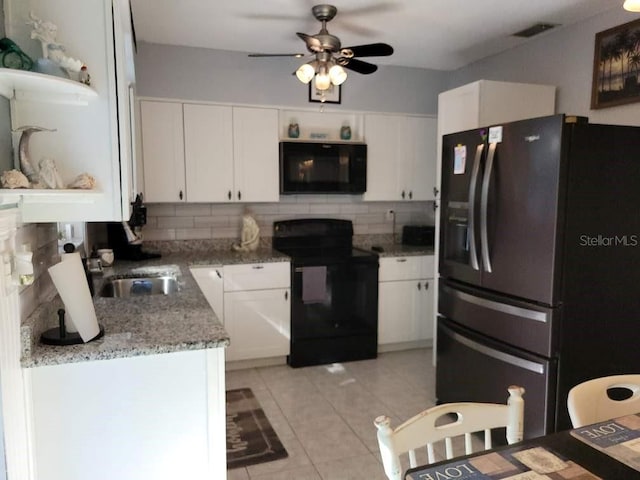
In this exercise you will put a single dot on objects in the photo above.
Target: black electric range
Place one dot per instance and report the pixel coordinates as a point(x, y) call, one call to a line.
point(334, 292)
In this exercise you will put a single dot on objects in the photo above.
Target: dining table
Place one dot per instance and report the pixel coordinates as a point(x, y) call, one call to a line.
point(608, 450)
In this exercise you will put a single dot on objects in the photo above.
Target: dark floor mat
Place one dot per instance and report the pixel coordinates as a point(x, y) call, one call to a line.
point(250, 437)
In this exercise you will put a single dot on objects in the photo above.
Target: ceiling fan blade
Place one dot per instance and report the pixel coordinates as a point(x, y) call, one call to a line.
point(370, 50)
point(357, 29)
point(313, 44)
point(297, 55)
point(360, 66)
point(381, 7)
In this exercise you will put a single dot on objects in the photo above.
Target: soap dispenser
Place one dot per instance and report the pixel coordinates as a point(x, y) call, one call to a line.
point(24, 265)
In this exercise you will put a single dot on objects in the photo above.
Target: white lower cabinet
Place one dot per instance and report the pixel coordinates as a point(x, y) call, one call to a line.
point(209, 279)
point(157, 417)
point(257, 322)
point(405, 299)
point(253, 303)
point(257, 310)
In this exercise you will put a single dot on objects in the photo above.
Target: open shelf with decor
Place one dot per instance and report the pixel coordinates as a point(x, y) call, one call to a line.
point(23, 85)
point(314, 126)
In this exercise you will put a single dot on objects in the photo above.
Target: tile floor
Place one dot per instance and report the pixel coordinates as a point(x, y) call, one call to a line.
point(324, 414)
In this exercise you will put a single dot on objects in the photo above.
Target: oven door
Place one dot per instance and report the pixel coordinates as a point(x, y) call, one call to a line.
point(334, 310)
point(474, 368)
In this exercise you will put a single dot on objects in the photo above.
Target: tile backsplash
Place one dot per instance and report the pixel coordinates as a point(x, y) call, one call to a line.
point(43, 240)
point(210, 221)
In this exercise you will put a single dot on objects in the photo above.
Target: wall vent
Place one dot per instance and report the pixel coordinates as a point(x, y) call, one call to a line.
point(535, 30)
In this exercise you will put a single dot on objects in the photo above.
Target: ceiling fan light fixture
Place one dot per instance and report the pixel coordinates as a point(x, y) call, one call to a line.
point(631, 5)
point(323, 81)
point(337, 74)
point(305, 73)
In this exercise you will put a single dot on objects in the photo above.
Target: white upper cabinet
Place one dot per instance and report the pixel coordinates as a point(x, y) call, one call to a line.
point(383, 135)
point(86, 122)
point(209, 153)
point(255, 154)
point(418, 176)
point(487, 102)
point(130, 162)
point(163, 151)
point(401, 157)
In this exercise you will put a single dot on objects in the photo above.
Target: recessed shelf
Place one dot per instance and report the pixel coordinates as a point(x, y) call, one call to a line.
point(22, 85)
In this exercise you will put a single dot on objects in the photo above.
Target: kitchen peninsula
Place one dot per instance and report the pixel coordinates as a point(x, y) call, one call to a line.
point(147, 399)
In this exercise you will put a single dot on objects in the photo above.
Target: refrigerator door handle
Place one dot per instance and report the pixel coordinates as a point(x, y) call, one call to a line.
point(484, 205)
point(497, 306)
point(498, 355)
point(473, 258)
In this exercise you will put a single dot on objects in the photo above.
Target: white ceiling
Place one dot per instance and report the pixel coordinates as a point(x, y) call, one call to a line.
point(436, 34)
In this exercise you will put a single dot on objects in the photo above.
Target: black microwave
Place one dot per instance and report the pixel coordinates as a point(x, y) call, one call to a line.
point(316, 167)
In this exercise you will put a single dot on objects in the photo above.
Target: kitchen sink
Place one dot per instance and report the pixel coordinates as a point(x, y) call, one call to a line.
point(139, 286)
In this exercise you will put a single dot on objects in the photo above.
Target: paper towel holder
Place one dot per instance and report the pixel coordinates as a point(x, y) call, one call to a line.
point(60, 336)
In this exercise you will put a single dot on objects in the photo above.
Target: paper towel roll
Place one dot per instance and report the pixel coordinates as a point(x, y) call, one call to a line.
point(68, 321)
point(71, 282)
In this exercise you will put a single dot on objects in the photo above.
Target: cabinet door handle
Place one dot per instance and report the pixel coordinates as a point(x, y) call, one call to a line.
point(435, 192)
point(402, 194)
point(419, 287)
point(286, 295)
point(401, 260)
point(258, 267)
point(229, 194)
point(426, 286)
point(180, 195)
point(218, 273)
point(239, 195)
point(410, 195)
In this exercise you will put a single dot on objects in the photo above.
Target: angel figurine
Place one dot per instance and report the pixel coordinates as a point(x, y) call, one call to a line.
point(250, 236)
point(46, 33)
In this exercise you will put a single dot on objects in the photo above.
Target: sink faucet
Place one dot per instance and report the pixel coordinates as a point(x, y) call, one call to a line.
point(132, 237)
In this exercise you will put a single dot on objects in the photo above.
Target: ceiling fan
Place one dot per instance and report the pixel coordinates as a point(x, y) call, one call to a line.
point(330, 58)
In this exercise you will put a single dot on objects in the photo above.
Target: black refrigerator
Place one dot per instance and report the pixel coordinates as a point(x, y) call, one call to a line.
point(539, 262)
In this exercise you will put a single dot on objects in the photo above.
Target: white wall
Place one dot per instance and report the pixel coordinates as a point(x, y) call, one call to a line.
point(563, 58)
point(230, 77)
point(3, 466)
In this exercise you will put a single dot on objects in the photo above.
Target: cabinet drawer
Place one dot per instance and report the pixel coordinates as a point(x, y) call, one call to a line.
point(256, 276)
point(405, 268)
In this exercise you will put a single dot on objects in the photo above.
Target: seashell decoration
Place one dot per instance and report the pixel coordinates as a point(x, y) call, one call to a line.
point(48, 174)
point(23, 150)
point(83, 181)
point(14, 179)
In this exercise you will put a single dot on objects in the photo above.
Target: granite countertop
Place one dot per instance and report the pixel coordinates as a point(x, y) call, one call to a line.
point(144, 325)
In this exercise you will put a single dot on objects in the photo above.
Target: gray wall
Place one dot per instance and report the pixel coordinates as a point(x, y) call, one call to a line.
point(229, 77)
point(563, 58)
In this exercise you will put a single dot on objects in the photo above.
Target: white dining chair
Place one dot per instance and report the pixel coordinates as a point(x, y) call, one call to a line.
point(589, 402)
point(427, 428)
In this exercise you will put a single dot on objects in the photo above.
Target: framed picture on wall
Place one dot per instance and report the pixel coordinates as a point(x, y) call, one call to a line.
point(616, 66)
point(331, 95)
